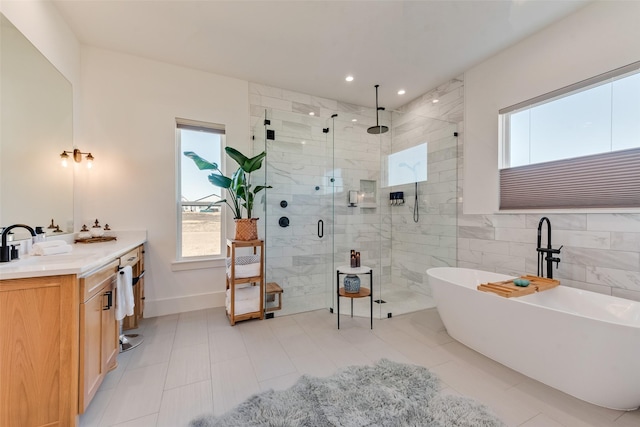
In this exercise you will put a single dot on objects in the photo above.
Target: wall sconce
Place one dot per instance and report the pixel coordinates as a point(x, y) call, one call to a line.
point(77, 157)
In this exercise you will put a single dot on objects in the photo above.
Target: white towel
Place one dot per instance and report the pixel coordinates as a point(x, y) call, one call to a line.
point(50, 243)
point(124, 293)
point(40, 250)
point(247, 300)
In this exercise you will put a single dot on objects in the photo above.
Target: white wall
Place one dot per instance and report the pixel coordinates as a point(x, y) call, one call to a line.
point(598, 38)
point(128, 122)
point(41, 23)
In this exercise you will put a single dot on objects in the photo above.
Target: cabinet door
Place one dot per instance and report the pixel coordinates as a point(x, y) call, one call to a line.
point(110, 331)
point(38, 352)
point(92, 369)
point(98, 332)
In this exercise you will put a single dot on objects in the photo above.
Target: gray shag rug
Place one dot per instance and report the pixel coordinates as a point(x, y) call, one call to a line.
point(386, 394)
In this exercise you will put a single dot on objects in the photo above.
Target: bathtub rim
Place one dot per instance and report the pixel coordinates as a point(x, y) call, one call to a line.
point(523, 299)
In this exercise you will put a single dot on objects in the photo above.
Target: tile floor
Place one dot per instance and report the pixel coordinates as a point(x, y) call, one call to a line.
point(195, 363)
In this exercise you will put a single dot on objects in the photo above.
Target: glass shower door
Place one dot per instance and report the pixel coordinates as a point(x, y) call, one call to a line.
point(298, 209)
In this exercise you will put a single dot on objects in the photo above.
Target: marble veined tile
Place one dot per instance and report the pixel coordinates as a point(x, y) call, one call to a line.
point(516, 235)
point(582, 239)
point(473, 232)
point(614, 222)
point(491, 246)
point(616, 278)
point(623, 241)
point(602, 258)
point(559, 221)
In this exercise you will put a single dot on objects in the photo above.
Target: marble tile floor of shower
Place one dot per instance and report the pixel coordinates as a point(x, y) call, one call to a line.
point(195, 363)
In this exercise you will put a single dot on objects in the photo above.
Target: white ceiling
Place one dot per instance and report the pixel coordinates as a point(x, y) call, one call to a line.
point(310, 46)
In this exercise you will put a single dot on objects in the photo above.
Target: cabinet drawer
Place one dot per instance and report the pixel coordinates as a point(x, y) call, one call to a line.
point(130, 258)
point(90, 285)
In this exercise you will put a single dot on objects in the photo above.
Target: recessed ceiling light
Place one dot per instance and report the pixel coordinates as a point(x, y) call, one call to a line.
point(401, 92)
point(311, 113)
point(354, 120)
point(349, 78)
point(435, 100)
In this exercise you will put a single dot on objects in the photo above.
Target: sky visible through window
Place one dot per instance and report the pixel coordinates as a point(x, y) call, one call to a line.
point(195, 185)
point(598, 120)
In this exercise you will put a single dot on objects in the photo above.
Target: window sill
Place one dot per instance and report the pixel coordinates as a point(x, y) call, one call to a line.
point(197, 264)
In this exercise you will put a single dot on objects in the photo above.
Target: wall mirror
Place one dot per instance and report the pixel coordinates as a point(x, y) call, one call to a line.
point(36, 125)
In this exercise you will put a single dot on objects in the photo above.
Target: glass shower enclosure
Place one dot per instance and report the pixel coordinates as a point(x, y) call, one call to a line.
point(400, 228)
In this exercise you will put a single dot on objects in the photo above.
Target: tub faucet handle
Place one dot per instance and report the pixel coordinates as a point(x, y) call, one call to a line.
point(556, 260)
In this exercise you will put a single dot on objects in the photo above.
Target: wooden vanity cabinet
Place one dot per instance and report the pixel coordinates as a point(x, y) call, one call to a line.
point(39, 351)
point(58, 340)
point(99, 331)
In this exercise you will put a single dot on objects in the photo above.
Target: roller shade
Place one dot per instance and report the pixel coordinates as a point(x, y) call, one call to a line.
point(608, 180)
point(199, 126)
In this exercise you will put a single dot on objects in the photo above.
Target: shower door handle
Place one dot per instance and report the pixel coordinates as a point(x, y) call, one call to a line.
point(320, 228)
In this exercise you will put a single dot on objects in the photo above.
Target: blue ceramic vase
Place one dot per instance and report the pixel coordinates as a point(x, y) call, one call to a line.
point(351, 284)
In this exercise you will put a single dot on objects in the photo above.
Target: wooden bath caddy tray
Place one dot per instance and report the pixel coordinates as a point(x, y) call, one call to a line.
point(96, 239)
point(508, 289)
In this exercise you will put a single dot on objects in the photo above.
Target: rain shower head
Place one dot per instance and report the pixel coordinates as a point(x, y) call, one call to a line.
point(377, 129)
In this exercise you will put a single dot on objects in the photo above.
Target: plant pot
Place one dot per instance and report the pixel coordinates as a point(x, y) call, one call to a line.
point(246, 229)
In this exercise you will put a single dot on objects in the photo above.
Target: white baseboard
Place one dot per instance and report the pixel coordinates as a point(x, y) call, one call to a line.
point(183, 304)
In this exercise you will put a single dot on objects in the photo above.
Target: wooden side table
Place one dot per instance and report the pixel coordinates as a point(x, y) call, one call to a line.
point(363, 293)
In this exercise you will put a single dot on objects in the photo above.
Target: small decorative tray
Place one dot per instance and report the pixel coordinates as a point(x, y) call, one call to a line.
point(508, 289)
point(96, 239)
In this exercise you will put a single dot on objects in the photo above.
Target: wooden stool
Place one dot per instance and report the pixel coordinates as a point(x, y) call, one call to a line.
point(273, 289)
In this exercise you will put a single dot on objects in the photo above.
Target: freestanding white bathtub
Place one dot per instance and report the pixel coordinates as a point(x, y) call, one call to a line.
point(579, 342)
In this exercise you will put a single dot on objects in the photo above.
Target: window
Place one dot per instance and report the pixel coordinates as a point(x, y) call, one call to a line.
point(200, 230)
point(577, 147)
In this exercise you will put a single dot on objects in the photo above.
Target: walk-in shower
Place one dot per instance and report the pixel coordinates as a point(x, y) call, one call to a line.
point(315, 162)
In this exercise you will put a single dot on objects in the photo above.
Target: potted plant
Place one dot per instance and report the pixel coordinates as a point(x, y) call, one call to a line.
point(241, 193)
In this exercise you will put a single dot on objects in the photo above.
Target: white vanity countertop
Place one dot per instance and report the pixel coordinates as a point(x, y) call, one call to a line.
point(84, 258)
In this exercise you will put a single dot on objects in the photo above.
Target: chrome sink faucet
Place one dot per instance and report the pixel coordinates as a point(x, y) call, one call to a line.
point(5, 254)
point(546, 254)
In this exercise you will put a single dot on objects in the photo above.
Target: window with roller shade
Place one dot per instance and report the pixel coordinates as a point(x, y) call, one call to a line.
point(577, 147)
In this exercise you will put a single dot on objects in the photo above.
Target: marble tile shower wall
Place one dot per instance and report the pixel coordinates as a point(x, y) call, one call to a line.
point(431, 242)
point(300, 165)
